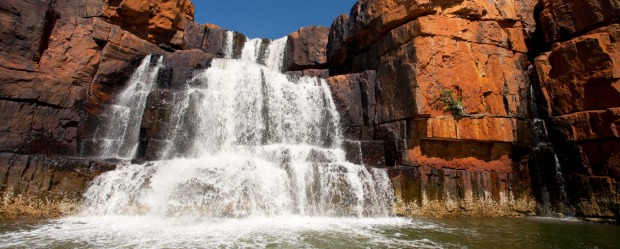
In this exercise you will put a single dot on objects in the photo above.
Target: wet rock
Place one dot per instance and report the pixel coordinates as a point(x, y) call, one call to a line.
point(321, 73)
point(347, 97)
point(353, 151)
point(44, 187)
point(426, 191)
point(210, 39)
point(320, 156)
point(373, 153)
point(183, 65)
point(354, 95)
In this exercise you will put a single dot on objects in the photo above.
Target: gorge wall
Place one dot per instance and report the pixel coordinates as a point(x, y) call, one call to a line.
point(579, 88)
point(387, 63)
point(393, 60)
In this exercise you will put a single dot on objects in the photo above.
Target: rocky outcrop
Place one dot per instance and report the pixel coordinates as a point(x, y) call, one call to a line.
point(391, 62)
point(157, 21)
point(61, 64)
point(306, 49)
point(579, 81)
point(561, 20)
point(431, 192)
point(438, 91)
point(42, 187)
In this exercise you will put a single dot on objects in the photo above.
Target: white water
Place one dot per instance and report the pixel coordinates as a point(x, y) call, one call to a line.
point(230, 45)
point(254, 162)
point(249, 143)
point(118, 136)
point(259, 232)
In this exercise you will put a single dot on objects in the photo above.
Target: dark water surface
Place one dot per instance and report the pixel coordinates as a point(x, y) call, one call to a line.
point(308, 232)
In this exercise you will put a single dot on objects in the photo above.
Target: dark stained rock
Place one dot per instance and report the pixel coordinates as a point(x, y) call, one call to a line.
point(306, 49)
point(23, 33)
point(348, 99)
point(354, 95)
point(583, 73)
point(426, 191)
point(373, 153)
point(353, 151)
point(579, 94)
point(212, 39)
point(184, 63)
point(564, 19)
point(44, 187)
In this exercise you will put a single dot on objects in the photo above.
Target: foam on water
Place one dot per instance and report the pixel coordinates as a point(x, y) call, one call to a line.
point(257, 232)
point(252, 143)
point(255, 160)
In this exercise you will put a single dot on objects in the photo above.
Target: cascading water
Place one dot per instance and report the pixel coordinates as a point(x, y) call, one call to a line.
point(254, 161)
point(230, 45)
point(550, 180)
point(118, 136)
point(250, 143)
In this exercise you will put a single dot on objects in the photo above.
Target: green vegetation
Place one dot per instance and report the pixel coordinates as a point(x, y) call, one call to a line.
point(451, 104)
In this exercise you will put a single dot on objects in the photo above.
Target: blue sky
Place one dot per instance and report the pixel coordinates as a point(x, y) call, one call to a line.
point(269, 18)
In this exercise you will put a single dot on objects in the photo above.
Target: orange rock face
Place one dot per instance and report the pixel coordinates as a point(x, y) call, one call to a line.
point(158, 21)
point(562, 19)
point(580, 91)
point(61, 62)
point(582, 74)
point(415, 51)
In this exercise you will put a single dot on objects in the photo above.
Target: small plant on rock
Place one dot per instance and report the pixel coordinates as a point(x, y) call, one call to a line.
point(451, 104)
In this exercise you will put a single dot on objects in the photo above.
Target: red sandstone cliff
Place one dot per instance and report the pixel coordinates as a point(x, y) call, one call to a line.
point(60, 63)
point(579, 80)
point(388, 63)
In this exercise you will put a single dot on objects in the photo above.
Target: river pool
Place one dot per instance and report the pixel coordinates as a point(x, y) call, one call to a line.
point(307, 232)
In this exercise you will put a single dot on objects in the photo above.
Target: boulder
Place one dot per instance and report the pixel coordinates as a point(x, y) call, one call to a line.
point(158, 21)
point(306, 49)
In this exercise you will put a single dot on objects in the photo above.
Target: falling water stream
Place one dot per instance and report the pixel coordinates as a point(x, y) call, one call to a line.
point(544, 155)
point(254, 160)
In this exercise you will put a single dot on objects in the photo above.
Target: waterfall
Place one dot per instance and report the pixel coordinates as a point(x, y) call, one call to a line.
point(550, 178)
point(230, 45)
point(249, 142)
point(118, 135)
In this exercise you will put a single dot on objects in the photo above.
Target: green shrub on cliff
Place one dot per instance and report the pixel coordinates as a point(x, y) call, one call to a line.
point(451, 104)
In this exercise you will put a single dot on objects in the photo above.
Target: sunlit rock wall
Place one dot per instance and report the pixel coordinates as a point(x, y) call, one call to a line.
point(61, 63)
point(579, 81)
point(391, 60)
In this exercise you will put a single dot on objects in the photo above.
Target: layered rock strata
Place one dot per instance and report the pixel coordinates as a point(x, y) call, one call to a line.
point(61, 64)
point(390, 64)
point(579, 81)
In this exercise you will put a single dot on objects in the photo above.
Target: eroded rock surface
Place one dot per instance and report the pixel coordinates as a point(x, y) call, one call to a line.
point(580, 91)
point(390, 62)
point(61, 64)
